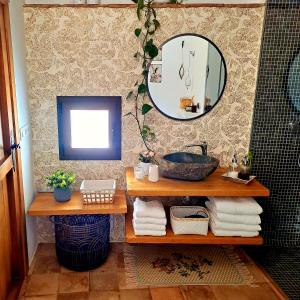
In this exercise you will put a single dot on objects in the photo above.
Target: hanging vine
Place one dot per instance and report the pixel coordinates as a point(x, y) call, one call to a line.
point(145, 12)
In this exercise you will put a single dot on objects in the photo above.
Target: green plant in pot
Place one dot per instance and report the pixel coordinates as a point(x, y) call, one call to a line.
point(61, 181)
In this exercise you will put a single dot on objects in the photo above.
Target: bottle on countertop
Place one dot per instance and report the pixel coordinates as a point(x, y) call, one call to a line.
point(234, 167)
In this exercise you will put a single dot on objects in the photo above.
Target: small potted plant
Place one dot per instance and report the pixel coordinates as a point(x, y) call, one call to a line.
point(61, 181)
point(146, 158)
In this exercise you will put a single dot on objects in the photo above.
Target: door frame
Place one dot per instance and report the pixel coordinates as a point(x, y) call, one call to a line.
point(15, 182)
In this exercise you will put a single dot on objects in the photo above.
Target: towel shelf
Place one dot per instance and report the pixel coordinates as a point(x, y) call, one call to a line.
point(171, 238)
point(214, 185)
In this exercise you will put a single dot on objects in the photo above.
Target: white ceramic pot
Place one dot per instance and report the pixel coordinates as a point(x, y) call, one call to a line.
point(153, 173)
point(79, 1)
point(145, 167)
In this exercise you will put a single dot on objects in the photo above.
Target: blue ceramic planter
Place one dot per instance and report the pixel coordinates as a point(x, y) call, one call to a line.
point(62, 195)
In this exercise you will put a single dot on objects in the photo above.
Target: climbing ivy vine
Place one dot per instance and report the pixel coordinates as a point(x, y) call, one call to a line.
point(147, 15)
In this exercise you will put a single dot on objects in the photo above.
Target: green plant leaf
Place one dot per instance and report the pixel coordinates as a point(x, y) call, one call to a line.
point(149, 42)
point(152, 50)
point(137, 32)
point(129, 95)
point(156, 24)
point(145, 72)
point(142, 88)
point(146, 108)
point(140, 6)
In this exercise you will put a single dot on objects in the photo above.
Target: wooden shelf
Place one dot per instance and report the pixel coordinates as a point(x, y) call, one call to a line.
point(214, 185)
point(171, 238)
point(44, 204)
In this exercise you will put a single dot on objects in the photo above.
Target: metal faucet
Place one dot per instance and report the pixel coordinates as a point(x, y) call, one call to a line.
point(203, 147)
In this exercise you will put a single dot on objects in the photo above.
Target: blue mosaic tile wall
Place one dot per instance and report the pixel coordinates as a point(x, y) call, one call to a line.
point(275, 146)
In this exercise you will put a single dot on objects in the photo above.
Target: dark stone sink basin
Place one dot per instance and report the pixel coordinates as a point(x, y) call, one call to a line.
point(188, 166)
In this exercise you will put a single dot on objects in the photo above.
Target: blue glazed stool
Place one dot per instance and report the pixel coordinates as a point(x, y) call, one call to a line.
point(82, 241)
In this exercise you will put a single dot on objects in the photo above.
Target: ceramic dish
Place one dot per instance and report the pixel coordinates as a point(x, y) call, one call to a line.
point(238, 180)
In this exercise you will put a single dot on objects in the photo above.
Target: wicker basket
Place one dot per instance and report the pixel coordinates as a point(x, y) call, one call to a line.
point(182, 225)
point(82, 241)
point(98, 191)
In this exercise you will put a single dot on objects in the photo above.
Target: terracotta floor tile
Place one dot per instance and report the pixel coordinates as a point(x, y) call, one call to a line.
point(108, 295)
point(110, 264)
point(46, 250)
point(65, 270)
point(261, 291)
point(198, 292)
point(166, 293)
point(42, 284)
point(104, 281)
point(73, 296)
point(141, 294)
point(122, 282)
point(46, 264)
point(74, 282)
point(49, 297)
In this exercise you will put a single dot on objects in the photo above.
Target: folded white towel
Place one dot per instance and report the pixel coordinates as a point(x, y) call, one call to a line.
point(236, 205)
point(233, 226)
point(147, 226)
point(145, 220)
point(149, 232)
point(230, 218)
point(151, 209)
point(220, 232)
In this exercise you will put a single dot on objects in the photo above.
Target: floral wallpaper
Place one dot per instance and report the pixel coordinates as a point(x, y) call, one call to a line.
point(89, 51)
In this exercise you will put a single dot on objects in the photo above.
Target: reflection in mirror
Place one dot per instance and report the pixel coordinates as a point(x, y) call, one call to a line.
point(294, 82)
point(187, 78)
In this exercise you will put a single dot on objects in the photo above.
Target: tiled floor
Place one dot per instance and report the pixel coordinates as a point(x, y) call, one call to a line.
point(49, 281)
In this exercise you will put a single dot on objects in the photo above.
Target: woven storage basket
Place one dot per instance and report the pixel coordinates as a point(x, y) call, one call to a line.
point(82, 241)
point(182, 225)
point(98, 191)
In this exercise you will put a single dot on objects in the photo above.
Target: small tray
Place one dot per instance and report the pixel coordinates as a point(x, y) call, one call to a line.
point(237, 180)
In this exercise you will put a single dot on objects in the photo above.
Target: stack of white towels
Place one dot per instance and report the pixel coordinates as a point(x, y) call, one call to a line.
point(234, 216)
point(149, 218)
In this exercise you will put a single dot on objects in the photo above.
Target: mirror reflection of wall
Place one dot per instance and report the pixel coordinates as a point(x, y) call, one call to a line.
point(215, 77)
point(189, 79)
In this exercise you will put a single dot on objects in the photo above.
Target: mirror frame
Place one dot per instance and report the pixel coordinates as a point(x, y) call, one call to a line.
point(225, 76)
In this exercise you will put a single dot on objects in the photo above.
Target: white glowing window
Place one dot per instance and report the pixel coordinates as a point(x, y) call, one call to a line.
point(89, 128)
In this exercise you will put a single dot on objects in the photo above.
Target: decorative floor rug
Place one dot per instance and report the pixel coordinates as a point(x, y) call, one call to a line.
point(172, 265)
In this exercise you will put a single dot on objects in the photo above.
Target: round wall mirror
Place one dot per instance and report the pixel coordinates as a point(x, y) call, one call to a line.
point(294, 82)
point(187, 78)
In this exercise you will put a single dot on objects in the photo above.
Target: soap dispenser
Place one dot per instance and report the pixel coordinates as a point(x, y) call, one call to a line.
point(234, 167)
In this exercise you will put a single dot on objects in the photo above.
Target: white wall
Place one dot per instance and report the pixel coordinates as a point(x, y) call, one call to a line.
point(18, 41)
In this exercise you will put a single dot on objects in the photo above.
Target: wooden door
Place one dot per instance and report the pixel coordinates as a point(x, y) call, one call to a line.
point(13, 254)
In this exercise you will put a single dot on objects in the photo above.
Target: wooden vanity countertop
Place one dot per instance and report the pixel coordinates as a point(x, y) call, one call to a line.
point(213, 185)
